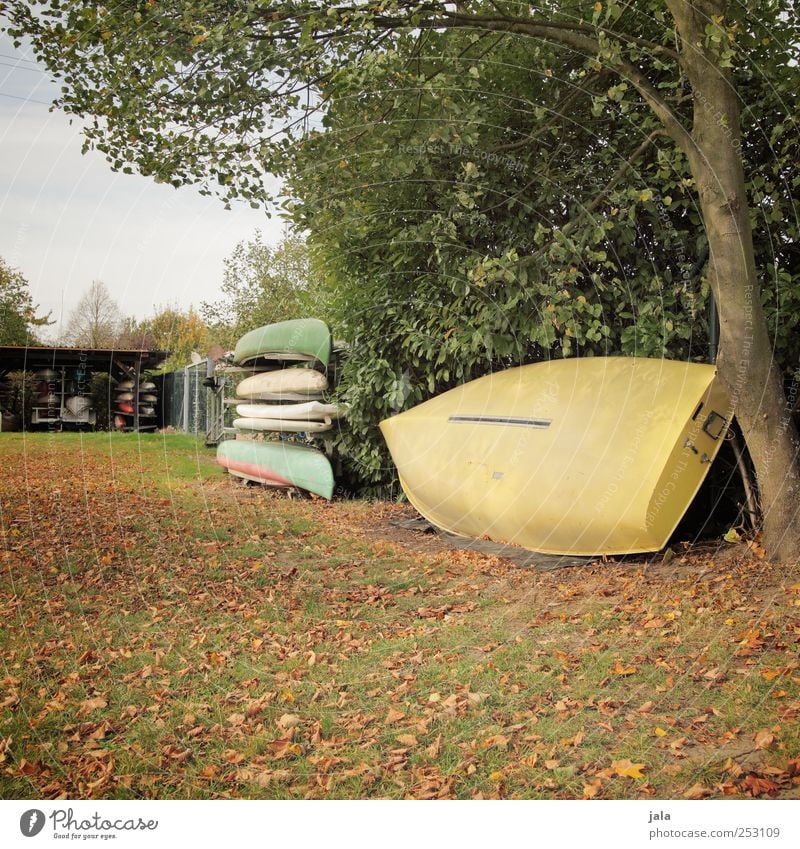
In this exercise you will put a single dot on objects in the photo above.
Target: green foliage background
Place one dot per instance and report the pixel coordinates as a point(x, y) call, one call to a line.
point(18, 318)
point(471, 209)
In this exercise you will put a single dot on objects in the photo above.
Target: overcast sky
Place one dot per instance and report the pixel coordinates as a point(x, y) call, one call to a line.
point(67, 219)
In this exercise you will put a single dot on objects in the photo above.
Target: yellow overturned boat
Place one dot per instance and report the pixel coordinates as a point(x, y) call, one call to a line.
point(584, 456)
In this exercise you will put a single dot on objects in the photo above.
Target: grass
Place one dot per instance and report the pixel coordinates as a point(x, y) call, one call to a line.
point(169, 633)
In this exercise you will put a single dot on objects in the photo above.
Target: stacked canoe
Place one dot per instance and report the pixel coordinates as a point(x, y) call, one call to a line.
point(62, 396)
point(125, 403)
point(282, 398)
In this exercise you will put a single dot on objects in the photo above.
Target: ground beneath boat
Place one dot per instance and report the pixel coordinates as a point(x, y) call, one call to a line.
point(403, 525)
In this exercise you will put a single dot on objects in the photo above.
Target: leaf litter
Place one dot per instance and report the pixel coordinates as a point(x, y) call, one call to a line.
point(171, 634)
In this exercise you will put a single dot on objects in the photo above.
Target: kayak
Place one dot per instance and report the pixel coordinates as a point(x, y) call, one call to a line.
point(283, 425)
point(303, 382)
point(308, 411)
point(298, 339)
point(278, 463)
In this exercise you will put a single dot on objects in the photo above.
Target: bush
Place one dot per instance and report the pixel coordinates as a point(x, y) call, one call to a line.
point(100, 391)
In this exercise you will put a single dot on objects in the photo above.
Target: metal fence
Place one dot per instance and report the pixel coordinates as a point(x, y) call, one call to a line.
point(192, 407)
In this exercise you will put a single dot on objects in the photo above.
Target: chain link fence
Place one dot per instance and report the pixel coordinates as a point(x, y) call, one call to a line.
point(190, 406)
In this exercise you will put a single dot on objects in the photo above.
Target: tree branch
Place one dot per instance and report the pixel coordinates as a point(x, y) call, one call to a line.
point(575, 36)
point(600, 197)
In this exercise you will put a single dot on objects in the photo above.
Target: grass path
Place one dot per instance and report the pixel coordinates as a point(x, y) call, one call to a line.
point(168, 633)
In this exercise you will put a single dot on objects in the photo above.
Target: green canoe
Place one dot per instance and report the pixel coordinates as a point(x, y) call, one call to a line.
point(297, 339)
point(278, 464)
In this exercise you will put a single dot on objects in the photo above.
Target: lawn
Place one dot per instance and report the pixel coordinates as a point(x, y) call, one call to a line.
point(169, 633)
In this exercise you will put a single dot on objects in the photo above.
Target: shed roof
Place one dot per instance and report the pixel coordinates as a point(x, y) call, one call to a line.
point(112, 360)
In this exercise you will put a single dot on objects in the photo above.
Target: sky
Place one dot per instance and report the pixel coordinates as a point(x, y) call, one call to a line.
point(66, 219)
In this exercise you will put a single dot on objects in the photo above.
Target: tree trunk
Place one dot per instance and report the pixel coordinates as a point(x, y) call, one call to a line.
point(745, 362)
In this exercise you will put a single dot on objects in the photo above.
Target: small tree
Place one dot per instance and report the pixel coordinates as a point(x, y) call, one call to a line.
point(17, 310)
point(177, 331)
point(95, 321)
point(261, 285)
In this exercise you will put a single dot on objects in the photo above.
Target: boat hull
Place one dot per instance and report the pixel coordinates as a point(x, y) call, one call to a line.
point(297, 339)
point(290, 383)
point(282, 425)
point(309, 411)
point(278, 464)
point(586, 456)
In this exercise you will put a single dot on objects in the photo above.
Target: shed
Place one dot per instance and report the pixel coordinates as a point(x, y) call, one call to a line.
point(63, 389)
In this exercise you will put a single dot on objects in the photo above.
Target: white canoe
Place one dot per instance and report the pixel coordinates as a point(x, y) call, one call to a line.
point(309, 411)
point(78, 404)
point(282, 425)
point(304, 382)
point(286, 396)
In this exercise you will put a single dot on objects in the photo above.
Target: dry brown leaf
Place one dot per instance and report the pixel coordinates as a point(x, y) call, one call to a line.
point(697, 791)
point(96, 703)
point(433, 750)
point(591, 791)
point(497, 741)
point(393, 716)
point(288, 721)
point(757, 786)
point(764, 738)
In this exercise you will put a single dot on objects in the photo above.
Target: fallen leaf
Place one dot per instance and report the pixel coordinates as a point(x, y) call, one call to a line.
point(96, 703)
point(697, 791)
point(433, 750)
point(406, 739)
point(288, 721)
point(627, 769)
point(393, 716)
point(591, 791)
point(764, 739)
point(757, 786)
point(498, 741)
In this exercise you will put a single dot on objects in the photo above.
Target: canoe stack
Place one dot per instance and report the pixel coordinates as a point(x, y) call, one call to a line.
point(125, 404)
point(283, 398)
point(62, 394)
